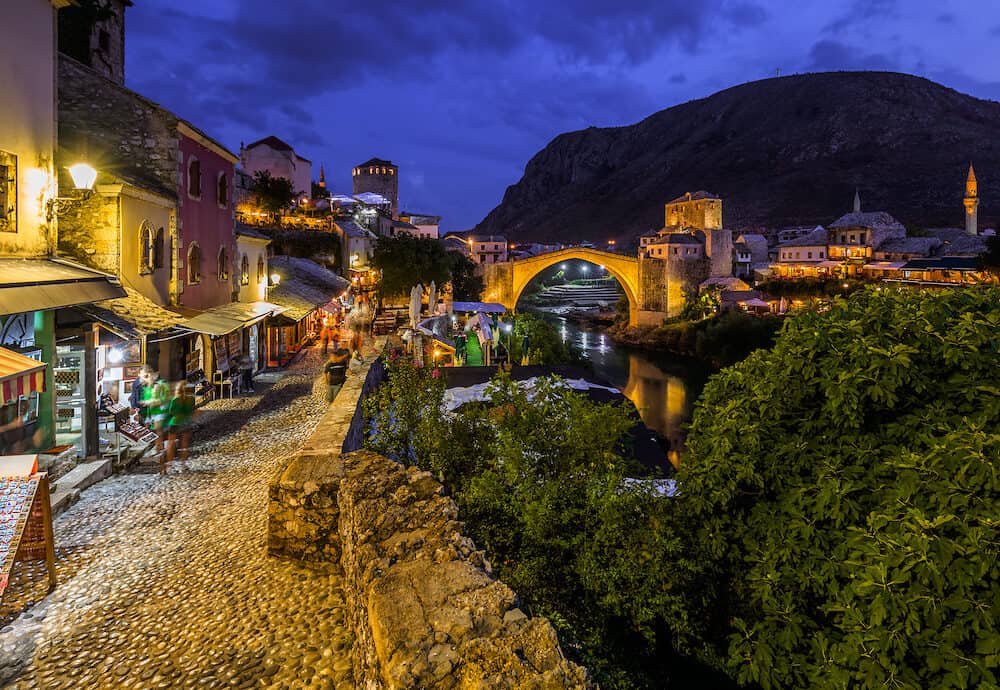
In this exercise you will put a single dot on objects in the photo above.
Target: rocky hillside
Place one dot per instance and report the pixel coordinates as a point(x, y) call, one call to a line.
point(783, 151)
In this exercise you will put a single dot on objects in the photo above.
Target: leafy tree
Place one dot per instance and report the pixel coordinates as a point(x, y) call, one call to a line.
point(323, 247)
point(545, 345)
point(466, 284)
point(406, 260)
point(274, 194)
point(840, 496)
point(990, 260)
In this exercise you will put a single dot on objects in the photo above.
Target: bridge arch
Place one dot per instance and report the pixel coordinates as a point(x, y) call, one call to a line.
point(506, 281)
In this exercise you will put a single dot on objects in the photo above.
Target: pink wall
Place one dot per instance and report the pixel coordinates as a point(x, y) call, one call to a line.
point(205, 221)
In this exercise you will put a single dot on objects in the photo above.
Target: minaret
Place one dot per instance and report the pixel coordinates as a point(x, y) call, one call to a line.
point(857, 201)
point(322, 177)
point(971, 202)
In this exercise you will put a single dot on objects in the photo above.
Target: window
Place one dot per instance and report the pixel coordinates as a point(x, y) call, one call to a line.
point(809, 255)
point(852, 239)
point(194, 178)
point(222, 190)
point(158, 249)
point(104, 41)
point(223, 264)
point(8, 192)
point(675, 250)
point(145, 247)
point(194, 263)
point(821, 254)
point(245, 270)
point(261, 269)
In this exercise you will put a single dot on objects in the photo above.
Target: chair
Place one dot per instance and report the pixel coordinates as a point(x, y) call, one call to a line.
point(222, 382)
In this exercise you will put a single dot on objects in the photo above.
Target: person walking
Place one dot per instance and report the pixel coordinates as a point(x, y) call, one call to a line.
point(180, 425)
point(155, 398)
point(335, 372)
point(324, 333)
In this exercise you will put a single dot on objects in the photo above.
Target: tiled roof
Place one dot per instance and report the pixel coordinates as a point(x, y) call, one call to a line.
point(272, 141)
point(956, 242)
point(133, 315)
point(869, 219)
point(949, 263)
point(677, 238)
point(910, 245)
point(695, 196)
point(376, 161)
point(352, 229)
point(816, 238)
point(304, 285)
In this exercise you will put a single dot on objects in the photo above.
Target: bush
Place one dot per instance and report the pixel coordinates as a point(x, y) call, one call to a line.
point(840, 500)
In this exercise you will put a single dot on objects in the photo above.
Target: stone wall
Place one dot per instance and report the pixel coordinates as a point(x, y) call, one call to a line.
point(88, 232)
point(426, 608)
point(105, 123)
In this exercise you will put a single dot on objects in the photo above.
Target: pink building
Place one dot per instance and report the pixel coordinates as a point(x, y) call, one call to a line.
point(205, 234)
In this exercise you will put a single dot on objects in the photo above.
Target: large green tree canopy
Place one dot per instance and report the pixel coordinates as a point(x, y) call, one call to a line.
point(406, 260)
point(840, 500)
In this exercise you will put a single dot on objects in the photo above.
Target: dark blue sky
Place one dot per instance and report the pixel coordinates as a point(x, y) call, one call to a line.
point(460, 94)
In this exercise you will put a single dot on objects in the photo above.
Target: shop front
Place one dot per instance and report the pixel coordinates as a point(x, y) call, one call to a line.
point(225, 344)
point(22, 380)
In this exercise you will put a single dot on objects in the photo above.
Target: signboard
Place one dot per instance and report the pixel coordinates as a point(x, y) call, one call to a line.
point(25, 516)
point(221, 354)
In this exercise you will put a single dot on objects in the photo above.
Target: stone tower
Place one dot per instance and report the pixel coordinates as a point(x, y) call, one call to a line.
point(857, 201)
point(95, 38)
point(971, 202)
point(378, 176)
point(322, 177)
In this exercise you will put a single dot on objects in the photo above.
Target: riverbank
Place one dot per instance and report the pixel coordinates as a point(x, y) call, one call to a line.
point(718, 341)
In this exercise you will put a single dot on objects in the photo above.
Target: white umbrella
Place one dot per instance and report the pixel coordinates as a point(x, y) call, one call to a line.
point(415, 295)
point(782, 306)
point(432, 299)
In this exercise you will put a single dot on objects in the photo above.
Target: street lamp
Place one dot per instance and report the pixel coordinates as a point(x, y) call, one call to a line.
point(84, 176)
point(508, 328)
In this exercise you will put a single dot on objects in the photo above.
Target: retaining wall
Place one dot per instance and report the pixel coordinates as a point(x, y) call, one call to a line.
point(426, 608)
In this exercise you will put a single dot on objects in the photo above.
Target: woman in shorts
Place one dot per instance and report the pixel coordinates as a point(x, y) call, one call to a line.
point(180, 424)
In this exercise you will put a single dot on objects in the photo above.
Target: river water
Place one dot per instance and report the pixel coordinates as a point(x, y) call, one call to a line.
point(663, 388)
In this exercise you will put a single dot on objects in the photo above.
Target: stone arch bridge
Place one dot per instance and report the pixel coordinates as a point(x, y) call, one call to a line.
point(505, 281)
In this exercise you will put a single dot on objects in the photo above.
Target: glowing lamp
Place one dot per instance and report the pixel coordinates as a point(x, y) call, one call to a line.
point(275, 279)
point(115, 355)
point(84, 176)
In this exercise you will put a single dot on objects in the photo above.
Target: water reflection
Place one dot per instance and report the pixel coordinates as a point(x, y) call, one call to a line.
point(662, 388)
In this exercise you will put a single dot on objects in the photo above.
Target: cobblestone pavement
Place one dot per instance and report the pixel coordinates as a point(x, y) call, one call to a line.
point(164, 582)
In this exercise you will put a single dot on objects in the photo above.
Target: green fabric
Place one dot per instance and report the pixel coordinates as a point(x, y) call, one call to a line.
point(475, 352)
point(180, 411)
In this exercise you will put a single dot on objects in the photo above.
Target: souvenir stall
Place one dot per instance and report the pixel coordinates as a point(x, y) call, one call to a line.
point(25, 517)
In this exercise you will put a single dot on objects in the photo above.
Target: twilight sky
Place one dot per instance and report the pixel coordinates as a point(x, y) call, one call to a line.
point(461, 93)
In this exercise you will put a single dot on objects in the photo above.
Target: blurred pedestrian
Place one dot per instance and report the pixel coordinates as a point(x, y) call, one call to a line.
point(180, 424)
point(335, 372)
point(156, 397)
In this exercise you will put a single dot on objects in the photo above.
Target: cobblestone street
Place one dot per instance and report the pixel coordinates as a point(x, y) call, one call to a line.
point(164, 582)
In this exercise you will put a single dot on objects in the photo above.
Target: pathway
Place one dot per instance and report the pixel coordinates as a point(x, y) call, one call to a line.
point(164, 582)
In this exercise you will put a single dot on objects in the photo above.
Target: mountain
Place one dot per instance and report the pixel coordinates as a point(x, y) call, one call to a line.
point(783, 151)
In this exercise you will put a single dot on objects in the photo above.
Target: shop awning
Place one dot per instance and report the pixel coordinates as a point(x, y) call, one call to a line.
point(38, 284)
point(884, 265)
point(331, 307)
point(19, 375)
point(230, 317)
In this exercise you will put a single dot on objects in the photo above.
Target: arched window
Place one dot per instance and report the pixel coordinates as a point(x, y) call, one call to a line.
point(222, 190)
point(194, 178)
point(158, 249)
point(145, 247)
point(261, 269)
point(245, 270)
point(223, 264)
point(194, 263)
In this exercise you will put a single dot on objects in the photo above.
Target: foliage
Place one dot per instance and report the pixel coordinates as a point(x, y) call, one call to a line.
point(273, 194)
point(622, 312)
point(406, 260)
point(402, 413)
point(466, 284)
point(990, 260)
point(545, 345)
point(703, 306)
point(538, 480)
point(317, 192)
point(840, 500)
point(733, 335)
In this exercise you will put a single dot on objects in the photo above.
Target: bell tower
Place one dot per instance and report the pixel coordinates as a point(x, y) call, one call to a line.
point(971, 202)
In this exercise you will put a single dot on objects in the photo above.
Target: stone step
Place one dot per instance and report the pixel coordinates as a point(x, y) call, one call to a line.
point(63, 499)
point(66, 491)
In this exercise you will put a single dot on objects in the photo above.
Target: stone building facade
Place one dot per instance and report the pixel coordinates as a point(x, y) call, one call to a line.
point(278, 158)
point(100, 45)
point(700, 210)
point(380, 177)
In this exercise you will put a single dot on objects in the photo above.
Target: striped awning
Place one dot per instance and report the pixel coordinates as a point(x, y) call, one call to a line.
point(19, 375)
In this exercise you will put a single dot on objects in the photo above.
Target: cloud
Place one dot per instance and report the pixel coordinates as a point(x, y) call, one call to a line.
point(828, 55)
point(862, 12)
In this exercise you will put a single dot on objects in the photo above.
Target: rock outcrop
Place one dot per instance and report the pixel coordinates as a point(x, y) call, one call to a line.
point(783, 151)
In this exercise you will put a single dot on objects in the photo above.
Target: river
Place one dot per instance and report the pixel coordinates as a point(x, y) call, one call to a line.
point(663, 388)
